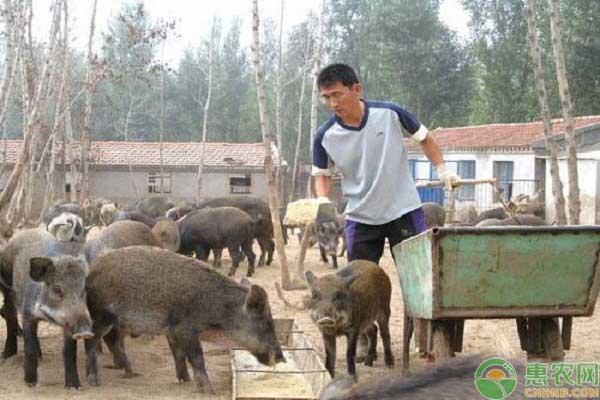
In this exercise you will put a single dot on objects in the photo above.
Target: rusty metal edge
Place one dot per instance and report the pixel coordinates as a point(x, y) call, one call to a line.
point(517, 229)
point(435, 273)
point(500, 313)
point(595, 286)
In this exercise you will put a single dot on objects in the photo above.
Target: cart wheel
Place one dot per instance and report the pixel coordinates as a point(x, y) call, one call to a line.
point(441, 341)
point(552, 339)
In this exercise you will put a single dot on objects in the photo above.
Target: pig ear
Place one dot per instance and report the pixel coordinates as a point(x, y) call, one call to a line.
point(245, 282)
point(40, 268)
point(349, 279)
point(310, 278)
point(256, 299)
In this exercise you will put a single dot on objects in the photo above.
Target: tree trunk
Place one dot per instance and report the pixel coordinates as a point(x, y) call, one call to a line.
point(557, 186)
point(286, 282)
point(86, 140)
point(162, 116)
point(278, 106)
point(315, 91)
point(567, 107)
point(211, 46)
point(296, 167)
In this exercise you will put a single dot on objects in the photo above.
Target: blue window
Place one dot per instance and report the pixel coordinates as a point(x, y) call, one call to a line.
point(466, 170)
point(503, 172)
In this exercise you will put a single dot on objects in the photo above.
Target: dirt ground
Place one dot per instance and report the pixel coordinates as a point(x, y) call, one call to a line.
point(152, 358)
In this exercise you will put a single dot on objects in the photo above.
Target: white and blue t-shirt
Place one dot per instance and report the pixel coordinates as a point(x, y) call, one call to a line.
point(373, 161)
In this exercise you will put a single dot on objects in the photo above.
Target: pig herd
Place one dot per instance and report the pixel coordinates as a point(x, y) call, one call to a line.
point(126, 278)
point(132, 275)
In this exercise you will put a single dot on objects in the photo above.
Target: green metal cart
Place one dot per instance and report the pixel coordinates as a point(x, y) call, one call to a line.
point(533, 274)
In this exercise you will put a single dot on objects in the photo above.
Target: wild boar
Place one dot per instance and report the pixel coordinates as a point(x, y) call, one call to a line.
point(145, 290)
point(451, 380)
point(348, 303)
point(117, 235)
point(215, 229)
point(47, 281)
point(260, 212)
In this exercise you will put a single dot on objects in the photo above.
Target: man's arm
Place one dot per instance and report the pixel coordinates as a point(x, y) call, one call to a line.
point(323, 185)
point(434, 154)
point(432, 150)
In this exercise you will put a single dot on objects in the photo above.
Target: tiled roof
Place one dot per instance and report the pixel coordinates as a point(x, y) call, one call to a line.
point(238, 156)
point(484, 137)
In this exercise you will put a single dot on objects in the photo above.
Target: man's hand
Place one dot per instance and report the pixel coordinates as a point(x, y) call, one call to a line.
point(446, 175)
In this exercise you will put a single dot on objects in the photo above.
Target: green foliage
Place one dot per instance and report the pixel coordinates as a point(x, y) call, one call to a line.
point(500, 47)
point(404, 53)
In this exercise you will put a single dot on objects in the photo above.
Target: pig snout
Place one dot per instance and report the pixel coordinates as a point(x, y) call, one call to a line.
point(326, 321)
point(270, 358)
point(80, 327)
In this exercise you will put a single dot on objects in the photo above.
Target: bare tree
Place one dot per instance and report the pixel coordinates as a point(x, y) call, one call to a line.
point(315, 90)
point(162, 115)
point(35, 94)
point(279, 105)
point(211, 47)
point(304, 68)
point(62, 101)
point(286, 282)
point(86, 136)
point(534, 47)
point(567, 108)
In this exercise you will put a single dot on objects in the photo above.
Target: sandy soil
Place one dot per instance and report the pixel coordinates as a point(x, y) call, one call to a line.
point(152, 359)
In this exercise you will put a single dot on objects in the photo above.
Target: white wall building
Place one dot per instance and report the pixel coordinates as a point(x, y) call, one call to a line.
point(514, 154)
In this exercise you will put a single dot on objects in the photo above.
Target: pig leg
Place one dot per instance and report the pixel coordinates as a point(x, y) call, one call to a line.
point(12, 327)
point(193, 350)
point(201, 252)
point(91, 365)
point(37, 341)
point(218, 254)
point(70, 362)
point(334, 259)
point(236, 257)
point(263, 252)
point(384, 331)
point(31, 352)
point(371, 332)
point(323, 254)
point(352, 341)
point(179, 357)
point(270, 250)
point(102, 327)
point(114, 341)
point(329, 344)
point(247, 249)
point(363, 344)
point(344, 245)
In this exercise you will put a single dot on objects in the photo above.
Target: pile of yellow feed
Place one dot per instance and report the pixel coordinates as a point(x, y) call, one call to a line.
point(257, 381)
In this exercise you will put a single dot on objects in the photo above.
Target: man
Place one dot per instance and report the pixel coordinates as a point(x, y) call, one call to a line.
point(364, 139)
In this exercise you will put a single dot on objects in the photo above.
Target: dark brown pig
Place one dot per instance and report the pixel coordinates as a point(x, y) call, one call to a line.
point(449, 381)
point(494, 213)
point(434, 214)
point(145, 290)
point(117, 235)
point(47, 283)
point(217, 228)
point(348, 303)
point(519, 219)
point(328, 235)
point(154, 206)
point(260, 212)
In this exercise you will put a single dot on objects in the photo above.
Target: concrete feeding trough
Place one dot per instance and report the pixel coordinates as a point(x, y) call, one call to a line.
point(301, 377)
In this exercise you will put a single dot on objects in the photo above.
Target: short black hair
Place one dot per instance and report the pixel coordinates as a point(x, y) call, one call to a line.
point(334, 73)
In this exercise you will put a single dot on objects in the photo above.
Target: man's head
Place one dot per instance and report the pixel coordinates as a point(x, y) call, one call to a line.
point(340, 89)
